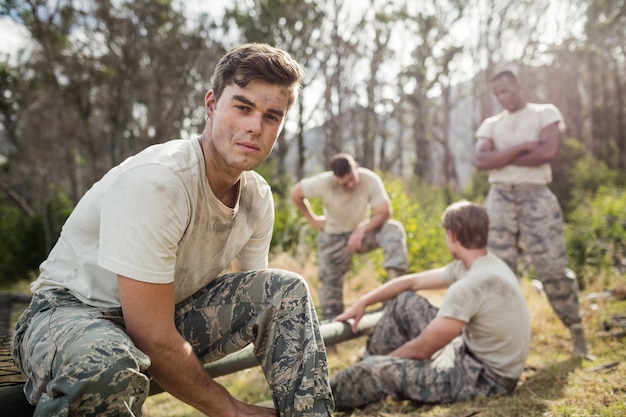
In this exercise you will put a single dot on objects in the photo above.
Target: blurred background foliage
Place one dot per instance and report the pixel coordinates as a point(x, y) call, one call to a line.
point(400, 84)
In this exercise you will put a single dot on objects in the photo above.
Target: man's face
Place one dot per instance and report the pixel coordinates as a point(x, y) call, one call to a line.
point(348, 181)
point(507, 92)
point(245, 123)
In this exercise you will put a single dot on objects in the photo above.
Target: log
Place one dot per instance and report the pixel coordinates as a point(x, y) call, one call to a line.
point(332, 333)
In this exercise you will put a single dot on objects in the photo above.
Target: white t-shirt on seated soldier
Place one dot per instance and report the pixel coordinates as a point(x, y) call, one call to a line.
point(154, 218)
point(488, 298)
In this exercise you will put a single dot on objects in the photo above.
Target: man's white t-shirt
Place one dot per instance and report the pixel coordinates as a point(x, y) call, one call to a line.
point(154, 218)
point(344, 209)
point(488, 298)
point(508, 129)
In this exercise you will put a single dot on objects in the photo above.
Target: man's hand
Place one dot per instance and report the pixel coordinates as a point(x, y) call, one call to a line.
point(243, 409)
point(317, 222)
point(149, 317)
point(355, 240)
point(355, 313)
point(436, 335)
point(486, 156)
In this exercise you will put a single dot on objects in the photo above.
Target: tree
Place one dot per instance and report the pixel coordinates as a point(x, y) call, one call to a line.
point(101, 84)
point(432, 56)
point(606, 36)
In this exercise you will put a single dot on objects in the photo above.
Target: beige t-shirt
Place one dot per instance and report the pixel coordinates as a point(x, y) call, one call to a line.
point(508, 129)
point(344, 210)
point(154, 218)
point(488, 298)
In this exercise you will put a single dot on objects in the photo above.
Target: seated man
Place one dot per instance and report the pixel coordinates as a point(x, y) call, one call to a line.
point(476, 343)
point(134, 287)
point(348, 192)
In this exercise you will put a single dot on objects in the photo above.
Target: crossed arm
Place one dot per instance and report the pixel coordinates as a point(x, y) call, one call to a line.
point(532, 153)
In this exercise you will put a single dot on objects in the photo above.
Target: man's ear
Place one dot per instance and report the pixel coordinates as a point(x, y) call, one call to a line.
point(209, 103)
point(451, 236)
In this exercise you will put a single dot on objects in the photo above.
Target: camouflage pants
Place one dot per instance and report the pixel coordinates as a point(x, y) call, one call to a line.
point(531, 215)
point(79, 360)
point(452, 374)
point(334, 260)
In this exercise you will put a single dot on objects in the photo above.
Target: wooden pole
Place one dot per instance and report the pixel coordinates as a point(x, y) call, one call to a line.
point(332, 333)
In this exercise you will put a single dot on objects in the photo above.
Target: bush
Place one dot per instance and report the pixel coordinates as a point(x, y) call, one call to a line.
point(596, 235)
point(26, 239)
point(21, 245)
point(419, 209)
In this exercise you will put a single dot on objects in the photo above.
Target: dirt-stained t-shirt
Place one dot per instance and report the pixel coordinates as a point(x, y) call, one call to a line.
point(344, 209)
point(154, 218)
point(488, 298)
point(508, 129)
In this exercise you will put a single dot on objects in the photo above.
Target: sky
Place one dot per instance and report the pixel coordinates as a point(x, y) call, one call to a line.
point(12, 36)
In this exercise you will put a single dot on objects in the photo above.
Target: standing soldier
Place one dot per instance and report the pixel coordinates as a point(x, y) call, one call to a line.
point(517, 145)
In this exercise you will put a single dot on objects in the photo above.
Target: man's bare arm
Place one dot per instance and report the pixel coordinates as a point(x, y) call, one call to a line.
point(547, 150)
point(486, 156)
point(436, 335)
point(304, 207)
point(149, 318)
point(426, 280)
point(380, 214)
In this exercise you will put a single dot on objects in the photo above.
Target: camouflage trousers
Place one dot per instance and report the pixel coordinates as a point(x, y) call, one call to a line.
point(80, 362)
point(452, 374)
point(334, 261)
point(530, 215)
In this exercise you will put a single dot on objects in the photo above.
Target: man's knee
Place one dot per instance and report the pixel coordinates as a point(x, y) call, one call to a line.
point(105, 383)
point(286, 282)
point(393, 228)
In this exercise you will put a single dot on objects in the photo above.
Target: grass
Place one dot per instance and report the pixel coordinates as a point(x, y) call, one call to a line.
point(552, 384)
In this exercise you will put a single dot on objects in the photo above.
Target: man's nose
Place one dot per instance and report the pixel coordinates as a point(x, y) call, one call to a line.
point(255, 124)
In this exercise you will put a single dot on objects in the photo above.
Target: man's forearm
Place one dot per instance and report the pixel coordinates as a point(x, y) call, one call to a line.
point(497, 159)
point(179, 372)
point(542, 154)
point(387, 291)
point(377, 219)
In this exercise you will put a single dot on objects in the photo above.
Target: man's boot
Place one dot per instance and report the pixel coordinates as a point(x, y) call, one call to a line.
point(579, 342)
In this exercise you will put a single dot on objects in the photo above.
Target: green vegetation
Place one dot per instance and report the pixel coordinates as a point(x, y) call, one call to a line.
point(24, 245)
point(596, 235)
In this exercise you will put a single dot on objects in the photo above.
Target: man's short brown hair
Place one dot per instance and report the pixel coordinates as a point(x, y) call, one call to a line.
point(252, 61)
point(468, 222)
point(342, 164)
